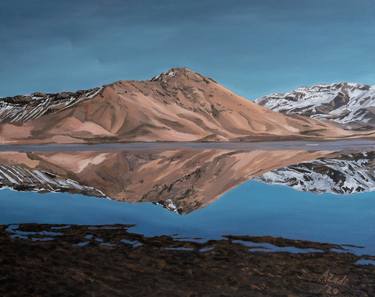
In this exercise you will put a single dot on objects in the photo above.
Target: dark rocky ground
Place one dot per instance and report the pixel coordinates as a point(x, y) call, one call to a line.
point(40, 260)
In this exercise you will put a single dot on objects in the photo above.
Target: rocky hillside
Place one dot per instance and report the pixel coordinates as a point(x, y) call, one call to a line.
point(179, 105)
point(21, 109)
point(350, 105)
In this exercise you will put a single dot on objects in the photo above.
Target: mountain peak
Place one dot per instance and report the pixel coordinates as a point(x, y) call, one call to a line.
point(178, 73)
point(338, 86)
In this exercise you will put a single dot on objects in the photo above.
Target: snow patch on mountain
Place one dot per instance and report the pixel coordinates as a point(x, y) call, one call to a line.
point(349, 104)
point(21, 109)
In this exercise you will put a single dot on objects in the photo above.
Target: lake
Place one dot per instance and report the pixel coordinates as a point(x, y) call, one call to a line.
point(289, 190)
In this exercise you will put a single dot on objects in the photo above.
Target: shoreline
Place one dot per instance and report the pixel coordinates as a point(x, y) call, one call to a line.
point(110, 261)
point(337, 145)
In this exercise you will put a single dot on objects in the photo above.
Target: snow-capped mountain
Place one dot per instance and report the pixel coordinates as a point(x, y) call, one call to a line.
point(20, 109)
point(178, 105)
point(349, 104)
point(345, 174)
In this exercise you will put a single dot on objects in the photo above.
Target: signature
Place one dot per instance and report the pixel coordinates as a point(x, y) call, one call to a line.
point(330, 278)
point(332, 283)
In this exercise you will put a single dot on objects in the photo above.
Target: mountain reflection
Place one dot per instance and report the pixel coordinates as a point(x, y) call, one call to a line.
point(183, 180)
point(341, 174)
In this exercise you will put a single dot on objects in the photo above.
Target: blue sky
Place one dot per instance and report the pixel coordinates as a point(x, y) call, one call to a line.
point(253, 47)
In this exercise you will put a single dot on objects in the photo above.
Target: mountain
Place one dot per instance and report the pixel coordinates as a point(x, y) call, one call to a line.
point(20, 109)
point(179, 105)
point(348, 104)
point(343, 174)
point(180, 180)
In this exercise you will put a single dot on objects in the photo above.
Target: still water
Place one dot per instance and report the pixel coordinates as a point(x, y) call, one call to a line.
point(321, 196)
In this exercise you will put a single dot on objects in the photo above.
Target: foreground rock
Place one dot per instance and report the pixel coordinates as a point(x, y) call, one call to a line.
point(38, 260)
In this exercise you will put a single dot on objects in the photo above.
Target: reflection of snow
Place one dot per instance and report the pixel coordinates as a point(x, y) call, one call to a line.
point(19, 178)
point(170, 205)
point(344, 175)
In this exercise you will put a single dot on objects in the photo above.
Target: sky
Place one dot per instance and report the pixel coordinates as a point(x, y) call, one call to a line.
point(253, 47)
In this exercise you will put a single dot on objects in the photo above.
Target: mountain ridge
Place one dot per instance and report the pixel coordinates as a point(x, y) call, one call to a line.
point(352, 105)
point(177, 105)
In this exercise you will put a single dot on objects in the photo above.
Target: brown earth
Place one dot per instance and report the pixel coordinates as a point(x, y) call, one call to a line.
point(179, 105)
point(96, 261)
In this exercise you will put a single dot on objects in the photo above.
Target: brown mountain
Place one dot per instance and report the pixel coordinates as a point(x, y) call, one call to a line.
point(179, 105)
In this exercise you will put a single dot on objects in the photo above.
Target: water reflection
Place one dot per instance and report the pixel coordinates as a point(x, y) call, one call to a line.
point(184, 180)
point(256, 228)
point(341, 174)
point(180, 180)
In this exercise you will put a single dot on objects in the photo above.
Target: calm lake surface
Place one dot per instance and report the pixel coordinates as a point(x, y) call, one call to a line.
point(204, 192)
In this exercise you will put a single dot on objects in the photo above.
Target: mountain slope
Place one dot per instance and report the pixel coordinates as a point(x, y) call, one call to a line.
point(21, 109)
point(179, 105)
point(351, 105)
